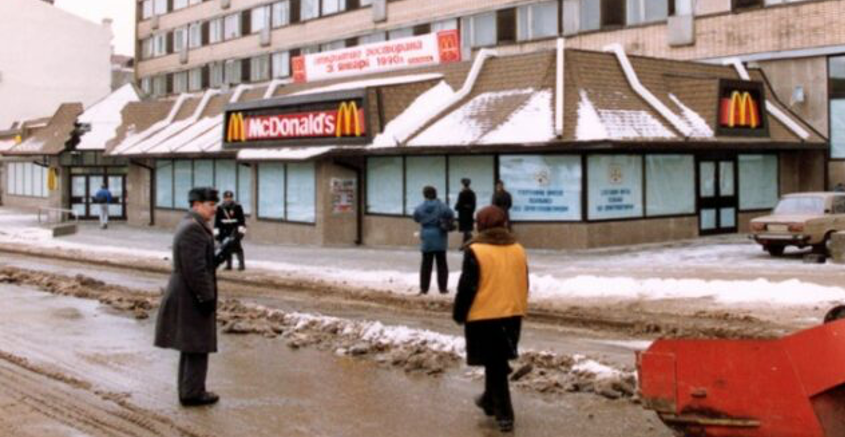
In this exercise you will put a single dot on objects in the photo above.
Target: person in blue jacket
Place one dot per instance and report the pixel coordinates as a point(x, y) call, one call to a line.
point(103, 198)
point(435, 219)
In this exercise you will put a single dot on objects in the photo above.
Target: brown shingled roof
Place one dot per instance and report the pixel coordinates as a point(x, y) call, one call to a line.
point(52, 139)
point(138, 117)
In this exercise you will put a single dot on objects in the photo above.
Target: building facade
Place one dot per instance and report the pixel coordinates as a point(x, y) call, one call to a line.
point(49, 57)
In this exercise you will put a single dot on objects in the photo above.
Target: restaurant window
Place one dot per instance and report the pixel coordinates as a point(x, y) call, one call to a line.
point(182, 182)
point(647, 11)
point(333, 6)
point(160, 7)
point(164, 183)
point(260, 19)
point(232, 26)
point(244, 192)
point(180, 4)
point(385, 187)
point(260, 69)
point(758, 182)
point(195, 79)
point(836, 87)
point(216, 74)
point(271, 190)
point(215, 30)
point(281, 64)
point(300, 196)
point(26, 179)
point(203, 173)
point(400, 33)
point(180, 82)
point(479, 170)
point(543, 187)
point(281, 13)
point(670, 184)
point(180, 39)
point(478, 31)
point(146, 9)
point(372, 38)
point(226, 176)
point(615, 187)
point(421, 171)
point(195, 35)
point(233, 71)
point(537, 21)
point(309, 9)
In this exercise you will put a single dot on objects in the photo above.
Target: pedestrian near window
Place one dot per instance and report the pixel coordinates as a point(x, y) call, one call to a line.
point(229, 221)
point(187, 319)
point(491, 301)
point(466, 210)
point(434, 217)
point(103, 198)
point(503, 200)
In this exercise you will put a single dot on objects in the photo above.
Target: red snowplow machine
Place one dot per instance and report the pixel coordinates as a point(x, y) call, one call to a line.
point(793, 386)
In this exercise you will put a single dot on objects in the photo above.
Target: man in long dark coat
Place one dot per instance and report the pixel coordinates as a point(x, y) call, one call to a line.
point(466, 210)
point(187, 319)
point(230, 222)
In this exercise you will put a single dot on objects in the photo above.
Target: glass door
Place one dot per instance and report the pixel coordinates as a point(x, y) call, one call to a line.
point(717, 198)
point(78, 199)
point(117, 206)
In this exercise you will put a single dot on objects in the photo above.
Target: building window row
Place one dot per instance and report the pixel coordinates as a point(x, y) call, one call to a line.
point(26, 179)
point(553, 187)
point(174, 178)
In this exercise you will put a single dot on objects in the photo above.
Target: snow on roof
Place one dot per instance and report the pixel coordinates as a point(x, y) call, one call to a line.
point(183, 139)
point(616, 124)
point(408, 118)
point(7, 144)
point(208, 141)
point(105, 117)
point(127, 147)
point(700, 128)
point(284, 153)
point(369, 83)
point(531, 123)
point(465, 125)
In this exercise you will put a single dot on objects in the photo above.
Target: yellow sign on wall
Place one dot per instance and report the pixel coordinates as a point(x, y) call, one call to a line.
point(52, 179)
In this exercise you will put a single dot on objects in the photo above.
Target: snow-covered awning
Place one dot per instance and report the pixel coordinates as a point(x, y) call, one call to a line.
point(286, 153)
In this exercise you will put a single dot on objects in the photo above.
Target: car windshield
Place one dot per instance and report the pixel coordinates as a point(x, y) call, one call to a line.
point(800, 205)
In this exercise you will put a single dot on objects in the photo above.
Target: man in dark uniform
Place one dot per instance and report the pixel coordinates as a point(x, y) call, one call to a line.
point(187, 319)
point(466, 210)
point(230, 221)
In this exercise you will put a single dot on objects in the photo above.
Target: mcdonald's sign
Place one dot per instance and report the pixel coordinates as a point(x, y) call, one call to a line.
point(346, 120)
point(740, 110)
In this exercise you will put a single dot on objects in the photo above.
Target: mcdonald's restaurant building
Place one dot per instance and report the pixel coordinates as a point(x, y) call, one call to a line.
point(596, 148)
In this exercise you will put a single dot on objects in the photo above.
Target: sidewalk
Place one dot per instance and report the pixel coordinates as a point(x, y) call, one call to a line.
point(729, 270)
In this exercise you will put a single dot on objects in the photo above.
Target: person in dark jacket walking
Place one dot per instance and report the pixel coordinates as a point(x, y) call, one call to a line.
point(466, 210)
point(431, 215)
point(187, 319)
point(503, 200)
point(103, 198)
point(491, 301)
point(230, 221)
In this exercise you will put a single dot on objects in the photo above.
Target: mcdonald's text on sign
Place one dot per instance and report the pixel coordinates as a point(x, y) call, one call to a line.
point(417, 51)
point(348, 120)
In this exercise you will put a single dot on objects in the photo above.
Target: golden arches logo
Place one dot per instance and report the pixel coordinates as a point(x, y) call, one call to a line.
point(52, 179)
point(348, 120)
point(236, 129)
point(740, 110)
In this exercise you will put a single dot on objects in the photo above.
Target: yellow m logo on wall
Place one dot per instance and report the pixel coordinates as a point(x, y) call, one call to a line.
point(236, 129)
point(52, 179)
point(348, 120)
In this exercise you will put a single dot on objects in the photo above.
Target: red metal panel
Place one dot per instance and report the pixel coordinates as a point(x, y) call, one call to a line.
point(657, 385)
point(818, 355)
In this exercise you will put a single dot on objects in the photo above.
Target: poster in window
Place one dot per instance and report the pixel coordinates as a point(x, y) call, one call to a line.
point(343, 195)
point(543, 187)
point(615, 183)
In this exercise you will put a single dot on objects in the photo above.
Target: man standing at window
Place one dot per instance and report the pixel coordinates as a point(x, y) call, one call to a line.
point(187, 319)
point(436, 219)
point(466, 210)
point(230, 221)
point(103, 198)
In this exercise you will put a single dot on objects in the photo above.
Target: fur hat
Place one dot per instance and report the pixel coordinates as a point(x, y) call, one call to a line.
point(203, 194)
point(490, 217)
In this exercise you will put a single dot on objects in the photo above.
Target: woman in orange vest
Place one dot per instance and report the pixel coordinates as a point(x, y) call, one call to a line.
point(492, 299)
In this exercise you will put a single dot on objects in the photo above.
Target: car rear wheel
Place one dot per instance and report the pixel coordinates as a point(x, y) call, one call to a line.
point(775, 249)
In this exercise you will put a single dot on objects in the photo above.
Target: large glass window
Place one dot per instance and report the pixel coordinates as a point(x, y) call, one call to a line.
point(182, 182)
point(385, 186)
point(543, 187)
point(647, 11)
point(309, 9)
point(26, 179)
point(836, 87)
point(479, 170)
point(245, 187)
point(225, 176)
point(758, 181)
point(670, 184)
point(281, 64)
point(281, 13)
point(537, 21)
point(260, 19)
point(615, 186)
point(203, 173)
point(164, 183)
point(271, 190)
point(419, 172)
point(301, 193)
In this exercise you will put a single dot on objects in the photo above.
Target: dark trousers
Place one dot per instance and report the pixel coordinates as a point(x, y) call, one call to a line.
point(497, 394)
point(240, 254)
point(467, 236)
point(442, 271)
point(193, 369)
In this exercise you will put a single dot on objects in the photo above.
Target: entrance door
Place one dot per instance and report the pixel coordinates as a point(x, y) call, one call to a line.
point(84, 188)
point(78, 196)
point(717, 197)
